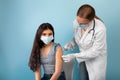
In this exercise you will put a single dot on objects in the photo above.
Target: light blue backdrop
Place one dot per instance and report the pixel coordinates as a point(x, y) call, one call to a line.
point(19, 20)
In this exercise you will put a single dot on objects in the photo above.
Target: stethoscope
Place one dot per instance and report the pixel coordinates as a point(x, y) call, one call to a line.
point(93, 32)
point(93, 29)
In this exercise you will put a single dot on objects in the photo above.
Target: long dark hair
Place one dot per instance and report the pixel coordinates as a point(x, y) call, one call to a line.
point(34, 61)
point(88, 12)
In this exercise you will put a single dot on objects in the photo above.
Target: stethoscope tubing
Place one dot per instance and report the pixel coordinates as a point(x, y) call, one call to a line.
point(92, 28)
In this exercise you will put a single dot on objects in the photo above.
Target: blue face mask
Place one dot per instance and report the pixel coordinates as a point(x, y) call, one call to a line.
point(83, 25)
point(75, 23)
point(46, 40)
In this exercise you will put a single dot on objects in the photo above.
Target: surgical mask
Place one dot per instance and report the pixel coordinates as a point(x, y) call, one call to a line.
point(75, 23)
point(46, 40)
point(83, 25)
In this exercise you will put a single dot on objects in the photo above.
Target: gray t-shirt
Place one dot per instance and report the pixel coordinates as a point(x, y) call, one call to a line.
point(48, 61)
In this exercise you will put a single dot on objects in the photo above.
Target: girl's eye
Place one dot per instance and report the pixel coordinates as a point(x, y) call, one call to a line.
point(50, 34)
point(44, 34)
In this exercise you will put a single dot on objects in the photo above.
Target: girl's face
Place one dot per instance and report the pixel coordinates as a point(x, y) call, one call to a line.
point(82, 20)
point(47, 33)
point(47, 36)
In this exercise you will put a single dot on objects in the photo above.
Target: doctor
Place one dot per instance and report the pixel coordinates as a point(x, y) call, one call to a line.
point(90, 36)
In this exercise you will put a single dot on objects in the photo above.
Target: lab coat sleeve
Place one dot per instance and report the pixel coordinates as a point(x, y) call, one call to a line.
point(71, 44)
point(98, 48)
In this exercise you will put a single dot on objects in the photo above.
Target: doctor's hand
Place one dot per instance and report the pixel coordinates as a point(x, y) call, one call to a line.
point(68, 57)
point(68, 46)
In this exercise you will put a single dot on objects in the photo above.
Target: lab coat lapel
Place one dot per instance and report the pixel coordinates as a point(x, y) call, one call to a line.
point(86, 32)
point(84, 35)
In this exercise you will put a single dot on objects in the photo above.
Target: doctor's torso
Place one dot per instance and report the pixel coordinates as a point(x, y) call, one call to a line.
point(85, 39)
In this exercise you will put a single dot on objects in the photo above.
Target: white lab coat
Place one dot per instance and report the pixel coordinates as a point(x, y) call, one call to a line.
point(92, 50)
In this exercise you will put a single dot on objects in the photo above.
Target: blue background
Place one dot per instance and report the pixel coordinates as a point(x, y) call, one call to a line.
point(19, 20)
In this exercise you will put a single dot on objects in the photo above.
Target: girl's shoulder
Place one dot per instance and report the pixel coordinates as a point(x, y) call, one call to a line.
point(57, 45)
